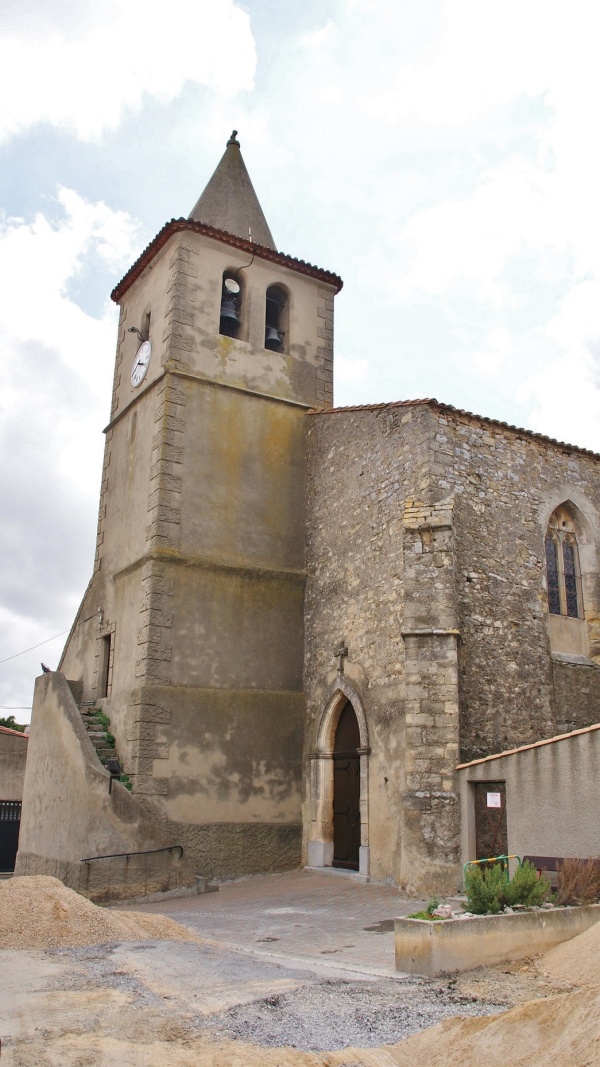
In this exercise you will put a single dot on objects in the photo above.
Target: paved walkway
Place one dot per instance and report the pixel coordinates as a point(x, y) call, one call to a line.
point(322, 919)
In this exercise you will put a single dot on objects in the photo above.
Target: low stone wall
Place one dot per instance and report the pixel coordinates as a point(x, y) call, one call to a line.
point(69, 813)
point(118, 878)
point(432, 948)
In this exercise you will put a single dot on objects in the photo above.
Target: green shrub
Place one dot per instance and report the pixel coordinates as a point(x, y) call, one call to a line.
point(488, 890)
point(433, 904)
point(484, 886)
point(526, 888)
point(428, 912)
point(425, 915)
point(9, 722)
point(104, 722)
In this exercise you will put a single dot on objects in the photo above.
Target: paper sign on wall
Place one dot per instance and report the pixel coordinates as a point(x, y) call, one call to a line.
point(494, 800)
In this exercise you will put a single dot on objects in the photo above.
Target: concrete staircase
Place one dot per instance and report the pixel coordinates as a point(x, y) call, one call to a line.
point(97, 731)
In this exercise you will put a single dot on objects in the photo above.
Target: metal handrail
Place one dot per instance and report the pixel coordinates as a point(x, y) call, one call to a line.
point(494, 859)
point(146, 852)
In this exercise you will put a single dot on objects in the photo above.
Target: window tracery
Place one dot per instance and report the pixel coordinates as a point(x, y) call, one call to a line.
point(563, 570)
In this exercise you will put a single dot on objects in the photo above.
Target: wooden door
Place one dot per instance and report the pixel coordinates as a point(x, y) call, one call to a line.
point(491, 838)
point(346, 791)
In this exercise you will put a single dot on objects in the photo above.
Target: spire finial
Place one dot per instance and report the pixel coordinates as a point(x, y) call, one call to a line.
point(229, 202)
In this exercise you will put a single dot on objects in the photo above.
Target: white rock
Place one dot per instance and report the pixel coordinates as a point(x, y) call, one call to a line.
point(443, 911)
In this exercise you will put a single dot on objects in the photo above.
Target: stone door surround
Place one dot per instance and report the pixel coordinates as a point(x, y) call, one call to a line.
point(320, 844)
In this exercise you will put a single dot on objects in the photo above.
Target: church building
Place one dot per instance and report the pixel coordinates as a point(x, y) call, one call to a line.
point(301, 618)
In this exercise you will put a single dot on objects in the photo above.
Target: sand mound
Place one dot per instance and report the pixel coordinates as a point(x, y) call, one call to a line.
point(576, 961)
point(561, 1030)
point(40, 912)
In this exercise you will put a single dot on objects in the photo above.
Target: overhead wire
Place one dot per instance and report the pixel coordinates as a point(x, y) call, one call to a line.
point(47, 641)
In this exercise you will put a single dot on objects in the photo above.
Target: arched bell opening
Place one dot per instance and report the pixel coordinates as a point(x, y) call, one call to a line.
point(276, 319)
point(230, 314)
point(339, 799)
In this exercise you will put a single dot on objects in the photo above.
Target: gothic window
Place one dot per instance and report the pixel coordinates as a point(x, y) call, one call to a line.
point(276, 318)
point(562, 566)
point(231, 304)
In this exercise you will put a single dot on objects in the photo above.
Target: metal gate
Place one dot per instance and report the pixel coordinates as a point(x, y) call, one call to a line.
point(10, 821)
point(346, 791)
point(491, 838)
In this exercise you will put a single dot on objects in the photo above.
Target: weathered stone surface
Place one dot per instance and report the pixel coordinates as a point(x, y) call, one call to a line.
point(419, 530)
point(225, 850)
point(425, 554)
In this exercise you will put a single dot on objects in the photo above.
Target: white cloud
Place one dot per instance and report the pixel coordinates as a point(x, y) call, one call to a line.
point(452, 145)
point(470, 240)
point(40, 257)
point(493, 352)
point(83, 66)
point(564, 399)
point(440, 155)
point(355, 369)
point(55, 380)
point(352, 372)
point(564, 392)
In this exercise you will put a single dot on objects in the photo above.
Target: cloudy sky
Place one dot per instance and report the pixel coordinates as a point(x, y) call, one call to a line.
point(441, 155)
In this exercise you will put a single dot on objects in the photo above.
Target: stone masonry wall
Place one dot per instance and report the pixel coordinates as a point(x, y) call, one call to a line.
point(430, 824)
point(362, 466)
point(153, 667)
point(505, 486)
point(425, 554)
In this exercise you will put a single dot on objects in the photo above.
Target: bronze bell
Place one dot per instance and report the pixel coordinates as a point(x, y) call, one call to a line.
point(229, 321)
point(273, 338)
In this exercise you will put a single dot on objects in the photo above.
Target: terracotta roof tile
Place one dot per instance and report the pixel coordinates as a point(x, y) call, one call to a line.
point(179, 225)
point(15, 733)
point(431, 402)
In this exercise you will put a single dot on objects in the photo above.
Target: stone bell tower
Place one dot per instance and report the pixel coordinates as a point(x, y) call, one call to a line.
point(190, 634)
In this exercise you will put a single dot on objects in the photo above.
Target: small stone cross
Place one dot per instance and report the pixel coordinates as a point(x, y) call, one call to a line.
point(341, 654)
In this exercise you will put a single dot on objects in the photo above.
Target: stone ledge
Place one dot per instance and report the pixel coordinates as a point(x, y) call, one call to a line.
point(444, 947)
point(430, 631)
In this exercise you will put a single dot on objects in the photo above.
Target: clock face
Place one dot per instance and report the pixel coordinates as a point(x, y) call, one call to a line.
point(140, 363)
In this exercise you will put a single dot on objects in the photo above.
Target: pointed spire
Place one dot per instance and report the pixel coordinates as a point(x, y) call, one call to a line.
point(229, 201)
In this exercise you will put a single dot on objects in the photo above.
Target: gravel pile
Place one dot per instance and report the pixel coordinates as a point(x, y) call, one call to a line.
point(40, 912)
point(337, 1013)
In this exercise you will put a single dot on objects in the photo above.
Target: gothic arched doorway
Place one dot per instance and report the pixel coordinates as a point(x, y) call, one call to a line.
point(334, 746)
point(346, 791)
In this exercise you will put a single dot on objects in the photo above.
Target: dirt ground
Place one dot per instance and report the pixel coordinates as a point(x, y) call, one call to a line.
point(150, 1002)
point(135, 1004)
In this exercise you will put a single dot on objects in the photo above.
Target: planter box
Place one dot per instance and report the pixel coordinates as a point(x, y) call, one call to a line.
point(431, 948)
